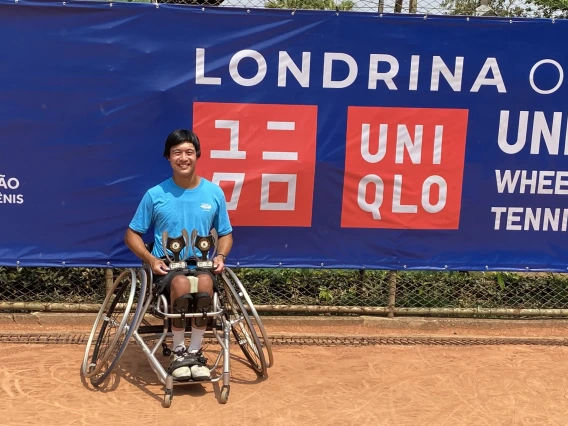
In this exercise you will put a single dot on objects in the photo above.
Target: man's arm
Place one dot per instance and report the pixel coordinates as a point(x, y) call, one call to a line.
point(224, 245)
point(222, 224)
point(134, 242)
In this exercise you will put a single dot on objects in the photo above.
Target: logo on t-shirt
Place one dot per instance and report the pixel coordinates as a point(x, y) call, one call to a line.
point(205, 206)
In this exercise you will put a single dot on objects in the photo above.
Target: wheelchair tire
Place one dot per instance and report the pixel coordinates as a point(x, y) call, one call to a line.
point(94, 364)
point(247, 339)
point(263, 335)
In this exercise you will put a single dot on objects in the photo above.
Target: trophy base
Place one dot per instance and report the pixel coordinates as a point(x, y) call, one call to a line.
point(177, 265)
point(206, 264)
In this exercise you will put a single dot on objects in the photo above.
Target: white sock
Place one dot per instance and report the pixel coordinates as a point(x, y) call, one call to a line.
point(178, 338)
point(196, 339)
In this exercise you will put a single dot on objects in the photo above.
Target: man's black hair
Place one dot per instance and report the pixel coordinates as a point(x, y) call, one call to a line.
point(180, 136)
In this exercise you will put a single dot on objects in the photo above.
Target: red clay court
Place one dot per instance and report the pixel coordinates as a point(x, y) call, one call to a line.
point(372, 371)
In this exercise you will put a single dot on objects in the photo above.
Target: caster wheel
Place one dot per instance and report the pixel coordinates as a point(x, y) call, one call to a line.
point(224, 394)
point(168, 399)
point(165, 350)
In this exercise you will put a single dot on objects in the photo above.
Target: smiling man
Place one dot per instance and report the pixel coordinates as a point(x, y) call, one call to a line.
point(183, 201)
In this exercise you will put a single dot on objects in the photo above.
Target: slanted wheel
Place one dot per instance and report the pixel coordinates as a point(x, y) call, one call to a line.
point(242, 327)
point(111, 331)
point(242, 293)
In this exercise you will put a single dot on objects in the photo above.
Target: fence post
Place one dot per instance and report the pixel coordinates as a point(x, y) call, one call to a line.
point(397, 6)
point(361, 284)
point(109, 279)
point(392, 293)
point(413, 6)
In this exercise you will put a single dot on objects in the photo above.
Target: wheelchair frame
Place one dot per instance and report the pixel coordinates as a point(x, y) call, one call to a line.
point(98, 363)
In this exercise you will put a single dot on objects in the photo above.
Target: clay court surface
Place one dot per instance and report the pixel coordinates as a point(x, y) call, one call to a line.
point(415, 384)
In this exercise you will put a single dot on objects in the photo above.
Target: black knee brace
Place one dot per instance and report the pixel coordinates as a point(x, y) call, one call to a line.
point(201, 304)
point(192, 303)
point(182, 305)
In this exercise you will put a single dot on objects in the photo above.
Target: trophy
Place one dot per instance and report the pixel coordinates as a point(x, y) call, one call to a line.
point(204, 244)
point(176, 246)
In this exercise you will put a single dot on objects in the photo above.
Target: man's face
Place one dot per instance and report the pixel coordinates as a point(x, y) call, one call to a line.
point(183, 159)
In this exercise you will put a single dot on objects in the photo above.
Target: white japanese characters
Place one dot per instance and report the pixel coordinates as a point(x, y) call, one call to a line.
point(236, 152)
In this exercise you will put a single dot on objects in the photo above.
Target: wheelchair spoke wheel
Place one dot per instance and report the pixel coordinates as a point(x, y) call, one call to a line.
point(255, 318)
point(243, 329)
point(111, 332)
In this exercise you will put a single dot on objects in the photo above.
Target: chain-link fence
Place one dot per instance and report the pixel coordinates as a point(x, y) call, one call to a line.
point(53, 285)
point(503, 8)
point(318, 291)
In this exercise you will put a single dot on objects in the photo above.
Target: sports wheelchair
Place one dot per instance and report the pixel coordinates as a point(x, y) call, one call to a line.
point(134, 296)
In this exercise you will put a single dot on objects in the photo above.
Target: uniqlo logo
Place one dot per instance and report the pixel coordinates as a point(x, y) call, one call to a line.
point(404, 168)
point(263, 157)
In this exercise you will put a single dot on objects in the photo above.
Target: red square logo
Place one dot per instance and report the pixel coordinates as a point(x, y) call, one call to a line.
point(263, 157)
point(404, 168)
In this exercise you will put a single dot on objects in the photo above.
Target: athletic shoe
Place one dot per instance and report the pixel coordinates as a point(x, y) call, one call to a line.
point(177, 357)
point(199, 370)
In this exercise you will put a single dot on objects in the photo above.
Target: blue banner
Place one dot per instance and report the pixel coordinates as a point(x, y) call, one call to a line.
point(340, 140)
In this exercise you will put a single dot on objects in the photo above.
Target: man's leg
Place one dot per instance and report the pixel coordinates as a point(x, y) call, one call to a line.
point(179, 287)
point(205, 285)
point(200, 371)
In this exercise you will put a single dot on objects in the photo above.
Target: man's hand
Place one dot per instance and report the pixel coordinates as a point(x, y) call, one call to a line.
point(134, 242)
point(159, 267)
point(219, 264)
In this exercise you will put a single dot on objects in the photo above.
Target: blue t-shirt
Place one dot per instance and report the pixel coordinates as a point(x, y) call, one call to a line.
point(171, 208)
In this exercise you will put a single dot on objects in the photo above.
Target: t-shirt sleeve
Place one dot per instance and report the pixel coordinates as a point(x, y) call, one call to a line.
point(144, 213)
point(222, 222)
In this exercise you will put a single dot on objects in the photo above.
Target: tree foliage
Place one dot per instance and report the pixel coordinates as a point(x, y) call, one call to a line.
point(310, 4)
point(550, 8)
point(498, 7)
point(509, 8)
